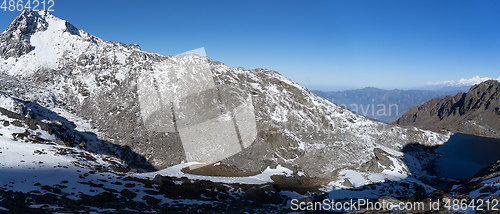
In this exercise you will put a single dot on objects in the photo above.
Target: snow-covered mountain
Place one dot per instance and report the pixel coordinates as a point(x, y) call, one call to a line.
point(167, 113)
point(47, 61)
point(462, 82)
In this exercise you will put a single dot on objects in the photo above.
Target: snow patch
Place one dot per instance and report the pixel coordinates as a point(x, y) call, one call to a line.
point(262, 178)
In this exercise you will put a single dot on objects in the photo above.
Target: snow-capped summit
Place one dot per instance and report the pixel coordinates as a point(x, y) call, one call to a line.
point(17, 37)
point(37, 40)
point(15, 40)
point(29, 22)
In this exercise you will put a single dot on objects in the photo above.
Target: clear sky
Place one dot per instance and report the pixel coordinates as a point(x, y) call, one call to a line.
point(327, 45)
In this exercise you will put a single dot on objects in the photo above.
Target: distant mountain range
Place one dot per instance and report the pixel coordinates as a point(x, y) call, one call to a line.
point(461, 83)
point(476, 112)
point(383, 105)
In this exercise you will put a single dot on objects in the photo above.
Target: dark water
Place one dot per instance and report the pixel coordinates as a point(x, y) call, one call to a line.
point(464, 155)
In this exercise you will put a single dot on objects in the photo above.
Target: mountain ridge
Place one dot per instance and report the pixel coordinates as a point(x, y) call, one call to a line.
point(476, 112)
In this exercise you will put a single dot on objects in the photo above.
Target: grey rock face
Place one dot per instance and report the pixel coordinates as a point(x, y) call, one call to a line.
point(15, 40)
point(31, 123)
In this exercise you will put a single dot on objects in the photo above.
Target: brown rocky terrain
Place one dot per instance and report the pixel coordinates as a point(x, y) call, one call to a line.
point(476, 112)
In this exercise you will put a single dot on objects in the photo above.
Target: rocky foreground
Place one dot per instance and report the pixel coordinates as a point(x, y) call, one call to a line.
point(43, 174)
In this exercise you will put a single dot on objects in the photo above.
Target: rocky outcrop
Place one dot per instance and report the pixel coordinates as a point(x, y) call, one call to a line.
point(475, 112)
point(52, 129)
point(484, 184)
point(381, 161)
point(31, 123)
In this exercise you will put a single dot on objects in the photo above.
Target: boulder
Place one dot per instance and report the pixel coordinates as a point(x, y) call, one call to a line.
point(128, 194)
point(378, 163)
point(163, 181)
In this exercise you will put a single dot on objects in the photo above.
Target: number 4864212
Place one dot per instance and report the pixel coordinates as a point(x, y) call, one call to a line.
point(19, 5)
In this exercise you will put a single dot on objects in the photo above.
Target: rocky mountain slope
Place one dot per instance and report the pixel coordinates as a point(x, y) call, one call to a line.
point(257, 117)
point(381, 105)
point(41, 173)
point(476, 112)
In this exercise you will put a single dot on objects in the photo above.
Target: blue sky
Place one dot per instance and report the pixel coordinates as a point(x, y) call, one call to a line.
point(329, 45)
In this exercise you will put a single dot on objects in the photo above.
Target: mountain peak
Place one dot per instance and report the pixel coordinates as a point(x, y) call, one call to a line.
point(16, 40)
point(373, 89)
point(29, 22)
